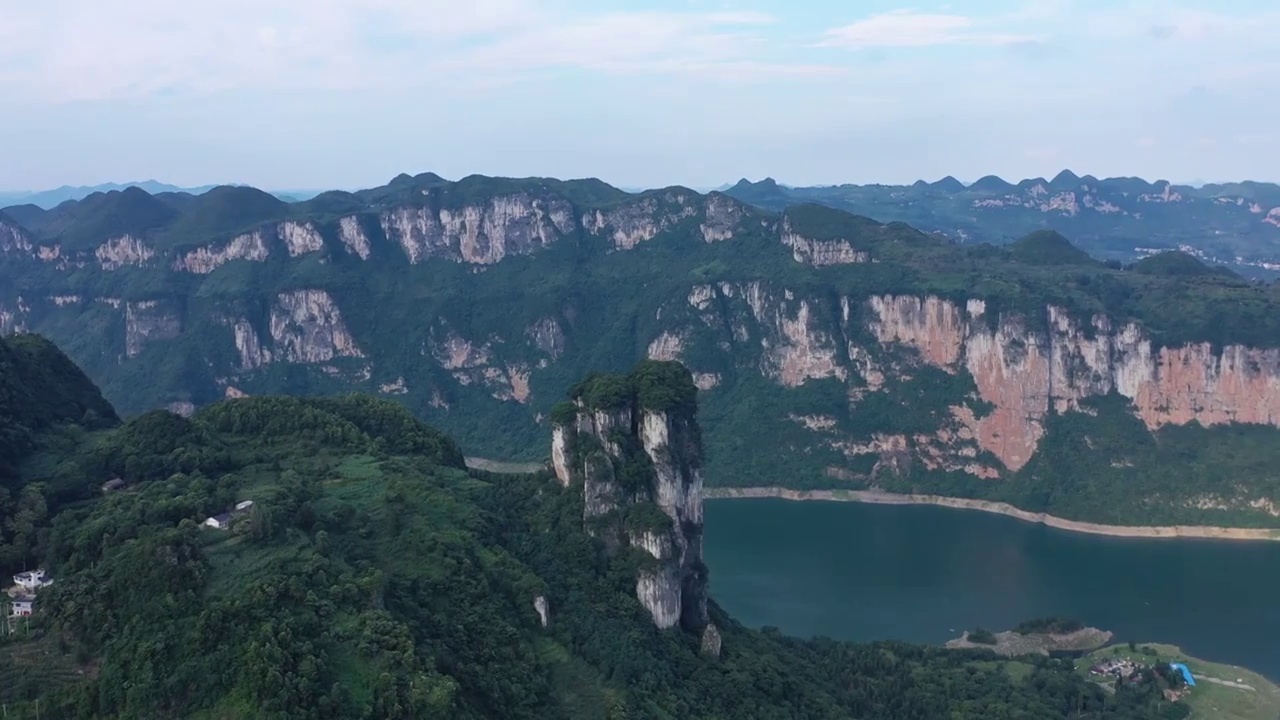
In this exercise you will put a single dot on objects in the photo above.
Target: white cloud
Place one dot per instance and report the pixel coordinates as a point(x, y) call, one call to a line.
point(1146, 142)
point(904, 28)
point(66, 50)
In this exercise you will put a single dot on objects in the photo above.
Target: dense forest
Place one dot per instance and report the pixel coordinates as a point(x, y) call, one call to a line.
point(45, 402)
point(375, 577)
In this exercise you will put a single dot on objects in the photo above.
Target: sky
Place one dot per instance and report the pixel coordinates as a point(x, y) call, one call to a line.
point(641, 93)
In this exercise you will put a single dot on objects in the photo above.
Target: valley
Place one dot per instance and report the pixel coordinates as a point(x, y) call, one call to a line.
point(830, 350)
point(365, 573)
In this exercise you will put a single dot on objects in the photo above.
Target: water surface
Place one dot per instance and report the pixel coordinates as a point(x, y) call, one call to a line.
point(924, 574)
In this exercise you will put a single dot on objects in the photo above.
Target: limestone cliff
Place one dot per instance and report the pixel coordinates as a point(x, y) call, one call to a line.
point(204, 260)
point(147, 321)
point(633, 445)
point(121, 251)
point(820, 252)
point(822, 343)
point(1022, 367)
point(305, 326)
point(13, 238)
point(1024, 372)
point(482, 233)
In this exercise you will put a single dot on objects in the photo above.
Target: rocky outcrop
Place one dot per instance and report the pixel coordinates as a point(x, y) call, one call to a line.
point(640, 221)
point(121, 251)
point(148, 321)
point(299, 238)
point(304, 326)
point(640, 469)
point(14, 240)
point(252, 353)
point(723, 215)
point(185, 408)
point(544, 611)
point(480, 234)
point(820, 252)
point(249, 246)
point(398, 387)
point(307, 327)
point(353, 237)
point(13, 316)
point(666, 346)
point(547, 336)
point(475, 364)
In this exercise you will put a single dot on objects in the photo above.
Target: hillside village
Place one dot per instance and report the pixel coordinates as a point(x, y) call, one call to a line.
point(22, 596)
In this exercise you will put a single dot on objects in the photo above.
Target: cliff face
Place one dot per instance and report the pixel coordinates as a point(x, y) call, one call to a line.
point(481, 234)
point(821, 342)
point(640, 470)
point(1024, 373)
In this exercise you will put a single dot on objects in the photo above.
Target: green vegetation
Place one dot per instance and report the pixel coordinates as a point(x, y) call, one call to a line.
point(373, 577)
point(542, 321)
point(652, 385)
point(982, 636)
point(1211, 698)
point(45, 402)
point(1051, 626)
point(1047, 247)
point(1172, 264)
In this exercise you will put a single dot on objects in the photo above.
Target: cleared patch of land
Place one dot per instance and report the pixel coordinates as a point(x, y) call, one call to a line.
point(1012, 644)
point(1222, 692)
point(508, 468)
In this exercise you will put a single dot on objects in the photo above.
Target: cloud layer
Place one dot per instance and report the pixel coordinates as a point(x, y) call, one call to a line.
point(345, 92)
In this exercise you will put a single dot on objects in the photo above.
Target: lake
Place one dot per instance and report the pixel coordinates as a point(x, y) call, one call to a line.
point(924, 574)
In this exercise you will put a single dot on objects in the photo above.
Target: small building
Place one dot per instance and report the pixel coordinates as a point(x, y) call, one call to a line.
point(243, 506)
point(1186, 673)
point(22, 606)
point(219, 522)
point(112, 485)
point(32, 579)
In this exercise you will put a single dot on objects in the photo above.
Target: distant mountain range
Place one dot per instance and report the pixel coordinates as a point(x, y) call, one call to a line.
point(1124, 218)
point(49, 199)
point(1236, 224)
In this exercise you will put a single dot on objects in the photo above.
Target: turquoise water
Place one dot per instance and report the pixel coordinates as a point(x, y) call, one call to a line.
point(924, 574)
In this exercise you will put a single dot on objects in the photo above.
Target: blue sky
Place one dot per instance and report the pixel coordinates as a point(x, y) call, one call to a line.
point(348, 93)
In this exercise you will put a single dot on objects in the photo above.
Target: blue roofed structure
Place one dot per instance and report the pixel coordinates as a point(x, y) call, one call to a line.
point(1186, 673)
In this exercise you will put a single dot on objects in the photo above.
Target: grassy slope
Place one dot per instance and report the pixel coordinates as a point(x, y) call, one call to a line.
point(1208, 700)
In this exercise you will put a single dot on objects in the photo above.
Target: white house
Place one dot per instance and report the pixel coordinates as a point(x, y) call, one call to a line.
point(31, 580)
point(21, 606)
point(219, 522)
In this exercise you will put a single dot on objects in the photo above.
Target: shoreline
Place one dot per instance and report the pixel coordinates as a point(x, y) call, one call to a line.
point(876, 497)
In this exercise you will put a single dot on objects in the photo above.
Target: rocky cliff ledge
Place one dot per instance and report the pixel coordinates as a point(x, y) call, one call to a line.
point(633, 444)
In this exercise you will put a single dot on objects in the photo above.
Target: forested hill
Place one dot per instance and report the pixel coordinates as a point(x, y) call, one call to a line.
point(41, 388)
point(830, 350)
point(47, 408)
point(374, 577)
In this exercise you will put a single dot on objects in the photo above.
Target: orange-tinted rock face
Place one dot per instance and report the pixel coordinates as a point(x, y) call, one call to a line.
point(1020, 372)
point(1191, 383)
point(1011, 370)
point(932, 326)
